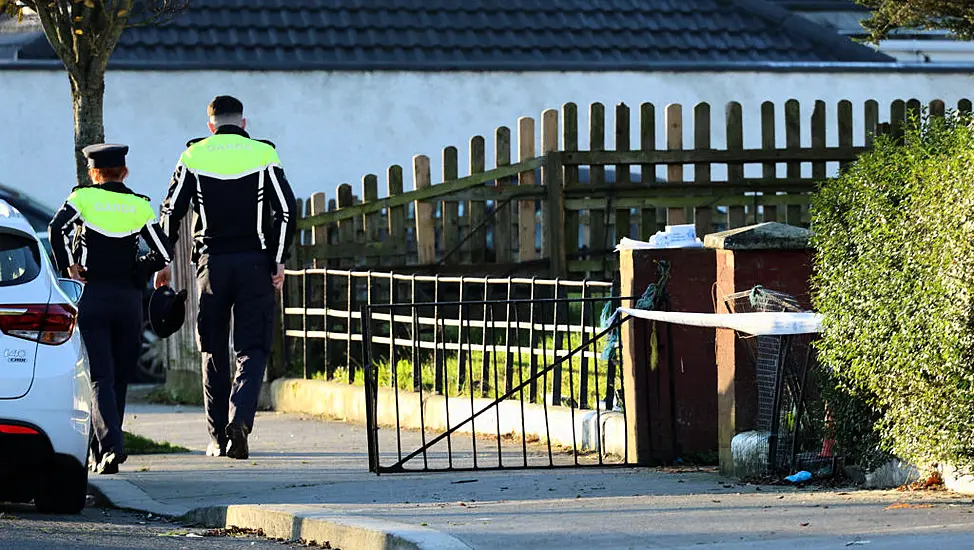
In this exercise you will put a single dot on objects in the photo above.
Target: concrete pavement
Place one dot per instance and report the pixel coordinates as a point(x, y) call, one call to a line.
point(303, 467)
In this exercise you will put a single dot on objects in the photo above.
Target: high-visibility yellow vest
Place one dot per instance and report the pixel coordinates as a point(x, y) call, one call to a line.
point(228, 156)
point(109, 213)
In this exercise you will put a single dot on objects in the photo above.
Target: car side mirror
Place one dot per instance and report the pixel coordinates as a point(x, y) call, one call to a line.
point(71, 288)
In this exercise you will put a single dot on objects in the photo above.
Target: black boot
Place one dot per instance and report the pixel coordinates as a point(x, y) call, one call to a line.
point(237, 446)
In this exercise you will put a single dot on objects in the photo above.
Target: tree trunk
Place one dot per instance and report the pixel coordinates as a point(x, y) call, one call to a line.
point(87, 98)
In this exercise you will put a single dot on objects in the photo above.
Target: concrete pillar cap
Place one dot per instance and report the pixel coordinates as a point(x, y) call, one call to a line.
point(763, 236)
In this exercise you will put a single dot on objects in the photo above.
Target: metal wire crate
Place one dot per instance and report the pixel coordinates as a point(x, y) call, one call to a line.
point(783, 365)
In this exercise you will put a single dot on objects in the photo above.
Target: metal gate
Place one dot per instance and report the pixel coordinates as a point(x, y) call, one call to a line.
point(494, 384)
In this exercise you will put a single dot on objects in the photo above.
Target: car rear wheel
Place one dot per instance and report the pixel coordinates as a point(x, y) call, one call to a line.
point(16, 491)
point(62, 487)
point(151, 368)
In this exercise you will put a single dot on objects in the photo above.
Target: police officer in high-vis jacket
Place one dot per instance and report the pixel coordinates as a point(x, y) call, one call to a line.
point(244, 216)
point(107, 220)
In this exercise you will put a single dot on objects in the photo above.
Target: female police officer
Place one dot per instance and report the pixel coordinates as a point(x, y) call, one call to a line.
point(107, 219)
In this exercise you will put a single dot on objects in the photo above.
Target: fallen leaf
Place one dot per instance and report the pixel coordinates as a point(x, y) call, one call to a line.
point(900, 505)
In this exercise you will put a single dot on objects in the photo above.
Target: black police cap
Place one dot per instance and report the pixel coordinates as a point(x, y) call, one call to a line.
point(105, 155)
point(167, 311)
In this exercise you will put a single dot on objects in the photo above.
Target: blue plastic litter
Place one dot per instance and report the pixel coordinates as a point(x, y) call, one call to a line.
point(649, 300)
point(799, 477)
point(608, 317)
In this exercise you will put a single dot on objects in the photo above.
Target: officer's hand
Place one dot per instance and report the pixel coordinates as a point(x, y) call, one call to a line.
point(163, 277)
point(278, 278)
point(76, 273)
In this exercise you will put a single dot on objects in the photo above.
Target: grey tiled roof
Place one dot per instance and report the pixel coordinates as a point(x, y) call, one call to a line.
point(482, 35)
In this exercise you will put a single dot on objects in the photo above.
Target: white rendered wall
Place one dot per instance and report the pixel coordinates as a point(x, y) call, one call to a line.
point(332, 128)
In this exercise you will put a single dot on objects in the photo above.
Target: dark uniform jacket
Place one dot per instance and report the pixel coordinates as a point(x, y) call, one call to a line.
point(241, 200)
point(107, 221)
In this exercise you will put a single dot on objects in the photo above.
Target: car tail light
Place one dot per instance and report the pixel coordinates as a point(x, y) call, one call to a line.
point(17, 430)
point(50, 324)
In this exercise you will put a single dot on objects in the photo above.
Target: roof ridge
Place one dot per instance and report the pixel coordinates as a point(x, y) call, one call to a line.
point(821, 5)
point(812, 31)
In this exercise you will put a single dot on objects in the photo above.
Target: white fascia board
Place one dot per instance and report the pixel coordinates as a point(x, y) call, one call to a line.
point(928, 46)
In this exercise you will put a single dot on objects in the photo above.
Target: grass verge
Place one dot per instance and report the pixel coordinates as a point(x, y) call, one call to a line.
point(138, 445)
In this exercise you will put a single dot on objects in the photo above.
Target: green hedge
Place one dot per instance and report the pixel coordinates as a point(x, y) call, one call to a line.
point(894, 276)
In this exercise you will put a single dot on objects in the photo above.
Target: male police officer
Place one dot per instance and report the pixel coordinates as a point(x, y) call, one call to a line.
point(243, 222)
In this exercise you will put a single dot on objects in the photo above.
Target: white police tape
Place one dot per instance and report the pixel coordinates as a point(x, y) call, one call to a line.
point(756, 324)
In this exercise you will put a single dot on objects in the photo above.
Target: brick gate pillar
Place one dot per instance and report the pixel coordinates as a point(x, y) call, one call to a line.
point(777, 257)
point(668, 370)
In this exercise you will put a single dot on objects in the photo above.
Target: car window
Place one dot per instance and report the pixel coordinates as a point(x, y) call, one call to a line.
point(37, 214)
point(20, 260)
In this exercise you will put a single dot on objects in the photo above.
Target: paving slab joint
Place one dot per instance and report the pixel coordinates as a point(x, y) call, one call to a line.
point(297, 523)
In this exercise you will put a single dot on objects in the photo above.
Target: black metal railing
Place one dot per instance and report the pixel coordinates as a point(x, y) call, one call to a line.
point(494, 384)
point(323, 326)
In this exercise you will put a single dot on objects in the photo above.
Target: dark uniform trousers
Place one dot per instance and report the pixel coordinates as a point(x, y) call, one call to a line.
point(110, 321)
point(237, 283)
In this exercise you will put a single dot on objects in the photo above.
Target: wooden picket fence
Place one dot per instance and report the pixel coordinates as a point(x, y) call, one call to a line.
point(505, 221)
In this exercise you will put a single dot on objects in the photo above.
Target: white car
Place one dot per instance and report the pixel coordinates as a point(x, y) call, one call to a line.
point(45, 389)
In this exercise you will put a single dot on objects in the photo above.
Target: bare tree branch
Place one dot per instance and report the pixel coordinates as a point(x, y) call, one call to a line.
point(58, 36)
point(117, 17)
